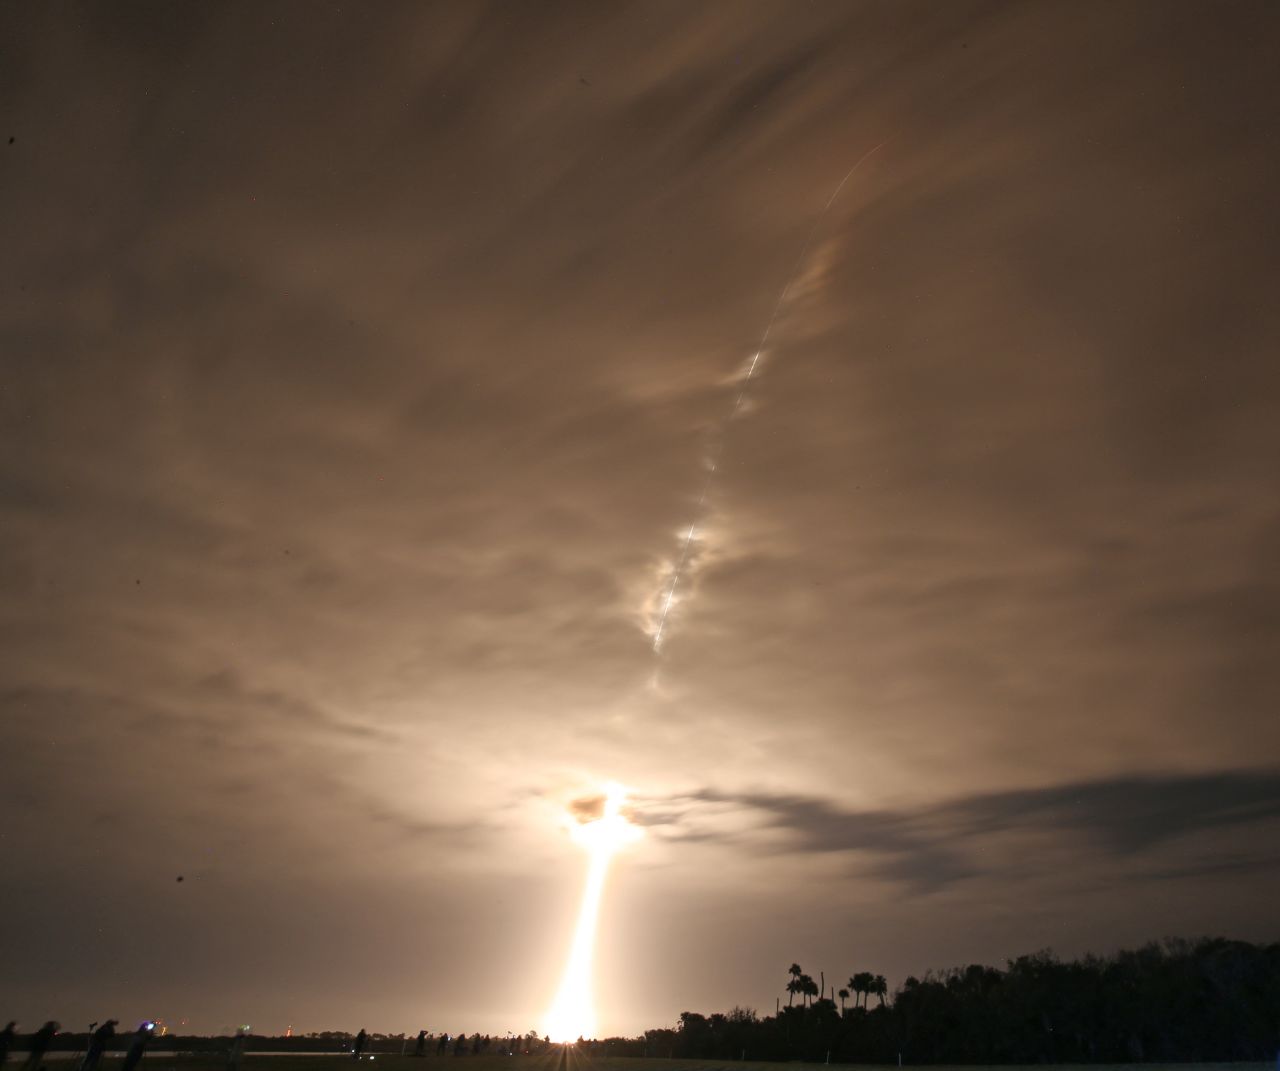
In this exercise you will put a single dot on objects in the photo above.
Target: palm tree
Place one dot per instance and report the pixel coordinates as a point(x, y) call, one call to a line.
point(793, 986)
point(880, 987)
point(844, 995)
point(855, 984)
point(861, 983)
point(802, 988)
point(810, 988)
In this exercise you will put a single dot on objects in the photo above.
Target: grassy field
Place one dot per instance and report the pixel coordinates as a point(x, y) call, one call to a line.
point(571, 1061)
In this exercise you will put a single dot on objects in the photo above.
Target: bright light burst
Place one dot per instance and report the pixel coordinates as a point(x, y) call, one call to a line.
point(572, 1014)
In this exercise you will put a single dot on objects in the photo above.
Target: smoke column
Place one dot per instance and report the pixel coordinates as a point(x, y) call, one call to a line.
point(714, 462)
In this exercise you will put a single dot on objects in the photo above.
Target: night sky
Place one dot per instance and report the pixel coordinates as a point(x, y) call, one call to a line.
point(360, 366)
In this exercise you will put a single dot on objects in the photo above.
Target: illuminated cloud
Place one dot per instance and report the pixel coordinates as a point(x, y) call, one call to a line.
point(361, 368)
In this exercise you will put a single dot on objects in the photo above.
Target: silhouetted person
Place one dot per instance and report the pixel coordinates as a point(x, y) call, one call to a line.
point(39, 1042)
point(137, 1046)
point(460, 1046)
point(358, 1047)
point(236, 1053)
point(420, 1046)
point(6, 1040)
point(98, 1042)
point(442, 1044)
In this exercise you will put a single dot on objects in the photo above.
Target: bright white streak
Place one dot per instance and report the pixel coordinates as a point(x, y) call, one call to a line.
point(572, 1014)
point(737, 404)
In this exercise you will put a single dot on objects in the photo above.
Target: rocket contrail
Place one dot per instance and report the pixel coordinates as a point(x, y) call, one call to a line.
point(742, 393)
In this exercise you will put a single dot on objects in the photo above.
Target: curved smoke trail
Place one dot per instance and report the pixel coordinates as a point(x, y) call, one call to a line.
point(714, 463)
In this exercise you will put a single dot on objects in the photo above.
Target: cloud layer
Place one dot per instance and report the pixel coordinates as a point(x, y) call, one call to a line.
point(1125, 819)
point(360, 368)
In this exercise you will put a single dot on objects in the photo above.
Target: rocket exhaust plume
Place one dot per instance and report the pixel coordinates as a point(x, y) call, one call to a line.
point(658, 627)
point(572, 1014)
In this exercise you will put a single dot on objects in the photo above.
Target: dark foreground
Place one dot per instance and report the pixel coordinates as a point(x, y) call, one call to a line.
point(570, 1060)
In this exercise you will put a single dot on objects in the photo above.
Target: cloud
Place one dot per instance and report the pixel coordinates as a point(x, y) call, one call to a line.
point(291, 714)
point(359, 369)
point(587, 808)
point(937, 845)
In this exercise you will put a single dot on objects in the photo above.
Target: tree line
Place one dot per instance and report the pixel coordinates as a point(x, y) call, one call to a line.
point(1206, 1000)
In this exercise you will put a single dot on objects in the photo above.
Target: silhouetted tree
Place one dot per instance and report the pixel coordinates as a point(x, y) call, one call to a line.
point(808, 988)
point(794, 986)
point(867, 985)
point(879, 987)
point(856, 985)
point(1208, 1001)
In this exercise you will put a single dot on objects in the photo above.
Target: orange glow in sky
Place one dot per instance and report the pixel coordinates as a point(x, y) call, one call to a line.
point(572, 1014)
